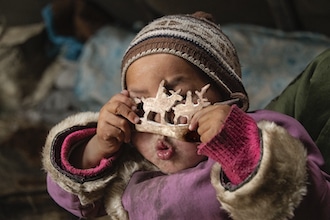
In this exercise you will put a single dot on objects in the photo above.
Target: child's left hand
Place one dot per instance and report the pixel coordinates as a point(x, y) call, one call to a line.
point(209, 121)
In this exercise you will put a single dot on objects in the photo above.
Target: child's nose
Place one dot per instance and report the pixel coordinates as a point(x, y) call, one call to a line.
point(169, 117)
point(157, 118)
point(172, 119)
point(182, 120)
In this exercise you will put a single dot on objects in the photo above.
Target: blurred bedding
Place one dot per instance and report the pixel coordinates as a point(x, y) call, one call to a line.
point(270, 59)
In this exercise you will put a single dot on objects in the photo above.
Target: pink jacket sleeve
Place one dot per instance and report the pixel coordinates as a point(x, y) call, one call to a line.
point(238, 154)
point(71, 202)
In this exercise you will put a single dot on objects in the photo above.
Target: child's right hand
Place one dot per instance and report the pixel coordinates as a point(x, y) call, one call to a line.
point(113, 129)
point(115, 120)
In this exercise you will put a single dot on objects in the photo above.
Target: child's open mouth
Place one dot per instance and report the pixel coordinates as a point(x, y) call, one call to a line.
point(164, 151)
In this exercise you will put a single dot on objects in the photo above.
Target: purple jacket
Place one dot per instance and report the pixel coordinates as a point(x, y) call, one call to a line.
point(287, 183)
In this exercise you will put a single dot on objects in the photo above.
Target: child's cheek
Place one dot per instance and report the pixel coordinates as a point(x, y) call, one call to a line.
point(141, 139)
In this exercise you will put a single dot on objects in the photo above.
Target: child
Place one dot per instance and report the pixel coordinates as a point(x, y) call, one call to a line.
point(237, 165)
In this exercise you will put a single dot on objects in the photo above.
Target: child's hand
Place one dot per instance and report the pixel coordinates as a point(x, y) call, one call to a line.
point(113, 129)
point(114, 123)
point(209, 121)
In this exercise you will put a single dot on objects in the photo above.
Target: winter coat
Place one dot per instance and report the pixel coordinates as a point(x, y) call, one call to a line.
point(288, 182)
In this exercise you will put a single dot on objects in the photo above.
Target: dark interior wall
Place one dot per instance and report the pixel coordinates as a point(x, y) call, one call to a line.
point(253, 11)
point(304, 15)
point(313, 15)
point(17, 12)
point(289, 15)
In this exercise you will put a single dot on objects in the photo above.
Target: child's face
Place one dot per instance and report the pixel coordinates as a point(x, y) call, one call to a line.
point(142, 79)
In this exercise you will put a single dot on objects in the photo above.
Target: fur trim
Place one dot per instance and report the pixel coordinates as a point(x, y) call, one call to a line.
point(115, 190)
point(110, 187)
point(278, 186)
point(87, 191)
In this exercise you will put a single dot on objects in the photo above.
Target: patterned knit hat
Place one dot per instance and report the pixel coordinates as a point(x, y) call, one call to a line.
point(198, 40)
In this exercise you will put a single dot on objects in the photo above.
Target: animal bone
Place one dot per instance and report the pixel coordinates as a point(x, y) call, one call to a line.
point(189, 108)
point(164, 103)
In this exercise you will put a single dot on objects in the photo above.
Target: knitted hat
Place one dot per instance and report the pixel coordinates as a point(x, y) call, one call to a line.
point(198, 40)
